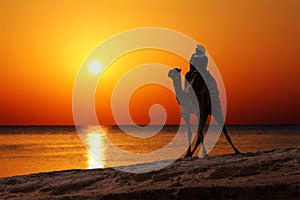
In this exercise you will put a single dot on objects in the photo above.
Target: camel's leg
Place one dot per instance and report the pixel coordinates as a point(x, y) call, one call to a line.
point(200, 136)
point(229, 140)
point(219, 118)
point(186, 118)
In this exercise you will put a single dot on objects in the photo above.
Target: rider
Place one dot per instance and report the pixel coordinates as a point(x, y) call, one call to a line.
point(198, 68)
point(198, 61)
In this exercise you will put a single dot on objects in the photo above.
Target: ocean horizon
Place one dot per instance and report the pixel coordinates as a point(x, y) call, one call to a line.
point(34, 149)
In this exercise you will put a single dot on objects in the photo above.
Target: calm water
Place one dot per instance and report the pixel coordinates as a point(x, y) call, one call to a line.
point(25, 150)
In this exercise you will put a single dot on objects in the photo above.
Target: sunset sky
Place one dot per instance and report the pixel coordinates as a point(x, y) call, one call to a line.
point(255, 45)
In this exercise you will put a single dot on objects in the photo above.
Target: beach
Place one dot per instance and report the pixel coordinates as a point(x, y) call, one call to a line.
point(272, 174)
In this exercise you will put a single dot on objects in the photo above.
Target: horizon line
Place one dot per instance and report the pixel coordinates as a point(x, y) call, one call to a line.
point(73, 125)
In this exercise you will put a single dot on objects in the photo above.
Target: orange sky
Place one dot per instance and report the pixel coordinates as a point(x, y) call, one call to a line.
point(255, 45)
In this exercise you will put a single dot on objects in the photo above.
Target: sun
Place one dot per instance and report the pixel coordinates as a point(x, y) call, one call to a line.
point(95, 67)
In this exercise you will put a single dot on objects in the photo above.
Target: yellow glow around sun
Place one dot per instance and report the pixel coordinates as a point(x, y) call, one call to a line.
point(95, 67)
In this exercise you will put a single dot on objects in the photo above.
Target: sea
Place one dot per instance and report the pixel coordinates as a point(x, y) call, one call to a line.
point(34, 149)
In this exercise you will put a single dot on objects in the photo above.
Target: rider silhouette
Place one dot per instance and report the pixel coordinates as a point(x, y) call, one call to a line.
point(198, 70)
point(198, 61)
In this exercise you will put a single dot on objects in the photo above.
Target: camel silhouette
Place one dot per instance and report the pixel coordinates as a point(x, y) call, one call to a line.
point(200, 107)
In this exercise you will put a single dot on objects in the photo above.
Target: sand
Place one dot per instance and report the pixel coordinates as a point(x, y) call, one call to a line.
point(273, 174)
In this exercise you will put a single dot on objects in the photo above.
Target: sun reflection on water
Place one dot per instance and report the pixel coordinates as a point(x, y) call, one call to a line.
point(95, 153)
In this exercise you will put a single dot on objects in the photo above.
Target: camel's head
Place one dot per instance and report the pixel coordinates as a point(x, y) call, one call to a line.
point(174, 73)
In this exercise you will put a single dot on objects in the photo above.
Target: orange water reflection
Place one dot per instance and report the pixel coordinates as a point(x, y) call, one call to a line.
point(43, 149)
point(95, 154)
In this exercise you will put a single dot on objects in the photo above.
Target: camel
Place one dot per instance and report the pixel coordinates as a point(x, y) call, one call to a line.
point(201, 108)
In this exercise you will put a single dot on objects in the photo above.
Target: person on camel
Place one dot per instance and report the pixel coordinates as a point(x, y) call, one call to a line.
point(198, 60)
point(198, 70)
point(205, 88)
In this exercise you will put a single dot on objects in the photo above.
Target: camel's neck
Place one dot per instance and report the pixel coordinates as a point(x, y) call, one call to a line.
point(178, 88)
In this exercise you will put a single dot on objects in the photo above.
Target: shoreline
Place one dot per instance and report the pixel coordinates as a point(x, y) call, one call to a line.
point(259, 175)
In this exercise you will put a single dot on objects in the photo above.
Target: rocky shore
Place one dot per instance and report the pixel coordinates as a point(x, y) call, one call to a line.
point(273, 174)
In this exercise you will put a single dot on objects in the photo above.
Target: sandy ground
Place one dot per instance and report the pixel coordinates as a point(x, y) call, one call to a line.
point(273, 174)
